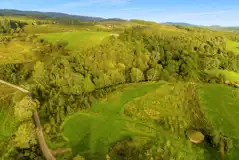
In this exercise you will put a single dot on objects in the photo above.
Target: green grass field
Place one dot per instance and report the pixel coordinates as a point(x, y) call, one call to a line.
point(77, 40)
point(221, 106)
point(52, 28)
point(140, 111)
point(16, 52)
point(97, 130)
point(229, 75)
point(233, 46)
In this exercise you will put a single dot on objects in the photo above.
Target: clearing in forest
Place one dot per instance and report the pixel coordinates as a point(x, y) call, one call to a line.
point(106, 124)
point(233, 46)
point(141, 111)
point(221, 106)
point(77, 40)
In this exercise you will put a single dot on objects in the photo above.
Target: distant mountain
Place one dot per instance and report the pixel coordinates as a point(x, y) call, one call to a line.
point(115, 19)
point(219, 28)
point(179, 23)
point(46, 15)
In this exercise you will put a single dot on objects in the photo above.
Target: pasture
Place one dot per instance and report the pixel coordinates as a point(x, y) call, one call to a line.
point(232, 46)
point(221, 107)
point(77, 40)
point(139, 112)
point(105, 124)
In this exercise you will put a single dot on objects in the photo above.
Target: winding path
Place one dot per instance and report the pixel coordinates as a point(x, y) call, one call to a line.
point(44, 148)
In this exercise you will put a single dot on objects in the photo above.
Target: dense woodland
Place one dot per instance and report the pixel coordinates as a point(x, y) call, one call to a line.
point(65, 82)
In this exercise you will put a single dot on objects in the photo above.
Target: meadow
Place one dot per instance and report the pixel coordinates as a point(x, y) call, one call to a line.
point(77, 40)
point(16, 52)
point(141, 113)
point(221, 104)
point(232, 46)
point(105, 124)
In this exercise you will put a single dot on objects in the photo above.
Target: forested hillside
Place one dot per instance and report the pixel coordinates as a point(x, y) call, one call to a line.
point(112, 89)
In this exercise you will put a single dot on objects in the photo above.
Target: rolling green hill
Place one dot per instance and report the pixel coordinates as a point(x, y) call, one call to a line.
point(220, 104)
point(115, 88)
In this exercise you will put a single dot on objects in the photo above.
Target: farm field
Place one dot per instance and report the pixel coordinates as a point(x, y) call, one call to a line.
point(233, 46)
point(77, 40)
point(221, 106)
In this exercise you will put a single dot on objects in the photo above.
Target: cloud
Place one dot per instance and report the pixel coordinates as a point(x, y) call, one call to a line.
point(205, 13)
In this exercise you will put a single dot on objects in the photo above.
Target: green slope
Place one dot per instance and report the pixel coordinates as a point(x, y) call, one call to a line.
point(97, 130)
point(221, 106)
point(233, 46)
point(77, 40)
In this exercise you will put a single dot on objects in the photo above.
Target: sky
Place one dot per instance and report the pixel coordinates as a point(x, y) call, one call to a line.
point(199, 12)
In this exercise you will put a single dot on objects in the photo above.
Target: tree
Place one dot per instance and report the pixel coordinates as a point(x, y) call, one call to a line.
point(136, 75)
point(88, 84)
point(39, 71)
point(154, 74)
point(25, 135)
point(78, 158)
point(102, 81)
point(23, 109)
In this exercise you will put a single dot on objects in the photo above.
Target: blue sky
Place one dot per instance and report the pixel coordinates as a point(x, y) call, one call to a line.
point(200, 12)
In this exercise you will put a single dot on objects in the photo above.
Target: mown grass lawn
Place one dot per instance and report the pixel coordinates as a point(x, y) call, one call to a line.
point(221, 106)
point(77, 40)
